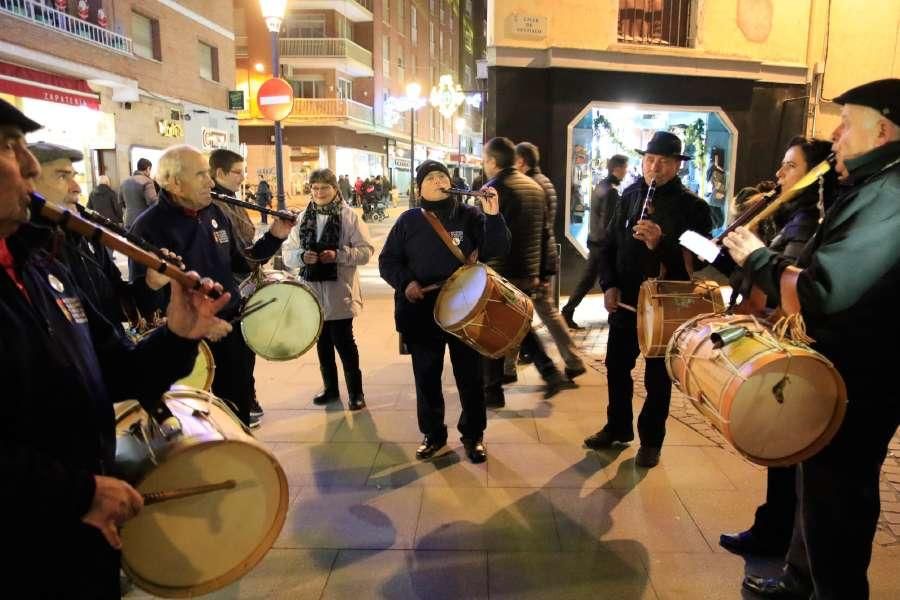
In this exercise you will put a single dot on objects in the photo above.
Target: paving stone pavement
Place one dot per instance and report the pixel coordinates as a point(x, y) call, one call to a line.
point(543, 518)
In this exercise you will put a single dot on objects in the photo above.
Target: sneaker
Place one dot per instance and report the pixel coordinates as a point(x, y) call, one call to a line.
point(605, 439)
point(255, 409)
point(647, 457)
point(254, 422)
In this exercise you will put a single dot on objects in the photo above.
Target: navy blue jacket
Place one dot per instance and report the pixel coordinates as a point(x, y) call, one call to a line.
point(206, 243)
point(62, 366)
point(414, 252)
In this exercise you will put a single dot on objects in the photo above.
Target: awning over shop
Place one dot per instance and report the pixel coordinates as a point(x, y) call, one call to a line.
point(31, 83)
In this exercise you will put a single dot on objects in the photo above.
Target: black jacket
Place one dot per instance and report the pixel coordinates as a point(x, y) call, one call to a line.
point(414, 252)
point(522, 205)
point(549, 253)
point(106, 202)
point(62, 366)
point(205, 241)
point(625, 262)
point(604, 199)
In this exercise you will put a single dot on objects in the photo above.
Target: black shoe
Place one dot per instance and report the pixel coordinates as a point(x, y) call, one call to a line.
point(569, 315)
point(254, 422)
point(429, 446)
point(556, 384)
point(525, 359)
point(255, 409)
point(326, 396)
point(494, 400)
point(748, 543)
point(605, 439)
point(357, 401)
point(784, 587)
point(647, 457)
point(475, 450)
point(511, 378)
point(573, 373)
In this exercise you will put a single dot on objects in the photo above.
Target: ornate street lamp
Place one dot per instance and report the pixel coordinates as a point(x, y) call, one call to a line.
point(273, 13)
point(447, 96)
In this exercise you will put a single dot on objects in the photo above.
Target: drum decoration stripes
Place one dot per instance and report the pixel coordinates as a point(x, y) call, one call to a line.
point(777, 402)
point(193, 545)
point(664, 305)
point(484, 310)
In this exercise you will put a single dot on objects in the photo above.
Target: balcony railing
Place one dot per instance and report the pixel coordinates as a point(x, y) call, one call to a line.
point(319, 109)
point(657, 22)
point(40, 14)
point(240, 46)
point(324, 48)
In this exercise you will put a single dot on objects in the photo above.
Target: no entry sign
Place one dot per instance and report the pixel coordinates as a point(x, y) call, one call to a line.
point(275, 99)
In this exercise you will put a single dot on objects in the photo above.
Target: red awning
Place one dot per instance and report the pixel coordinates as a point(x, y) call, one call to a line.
point(31, 83)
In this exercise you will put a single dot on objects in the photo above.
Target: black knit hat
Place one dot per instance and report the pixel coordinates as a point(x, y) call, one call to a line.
point(883, 95)
point(427, 167)
point(10, 115)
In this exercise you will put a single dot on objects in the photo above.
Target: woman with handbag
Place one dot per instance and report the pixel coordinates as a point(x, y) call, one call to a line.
point(327, 244)
point(415, 258)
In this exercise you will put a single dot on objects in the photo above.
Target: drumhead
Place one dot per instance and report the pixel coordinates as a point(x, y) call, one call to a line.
point(201, 377)
point(460, 295)
point(289, 326)
point(776, 423)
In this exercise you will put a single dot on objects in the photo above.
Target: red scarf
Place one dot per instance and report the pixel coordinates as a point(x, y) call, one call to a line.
point(9, 265)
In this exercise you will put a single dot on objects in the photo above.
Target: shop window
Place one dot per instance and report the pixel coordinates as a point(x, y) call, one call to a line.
point(145, 36)
point(605, 129)
point(657, 22)
point(209, 61)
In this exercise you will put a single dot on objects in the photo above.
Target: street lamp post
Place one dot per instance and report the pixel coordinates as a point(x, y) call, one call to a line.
point(460, 125)
point(273, 13)
point(413, 90)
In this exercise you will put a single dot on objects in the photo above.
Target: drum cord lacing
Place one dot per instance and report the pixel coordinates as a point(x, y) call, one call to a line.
point(793, 328)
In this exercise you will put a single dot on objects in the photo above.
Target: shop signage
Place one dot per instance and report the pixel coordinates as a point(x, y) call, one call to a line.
point(275, 99)
point(213, 138)
point(527, 27)
point(236, 100)
point(267, 173)
point(398, 163)
point(169, 128)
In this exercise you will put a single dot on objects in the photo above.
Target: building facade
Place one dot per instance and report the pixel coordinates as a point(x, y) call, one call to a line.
point(348, 62)
point(736, 79)
point(120, 79)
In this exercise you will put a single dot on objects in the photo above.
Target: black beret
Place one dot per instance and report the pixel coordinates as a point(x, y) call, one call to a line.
point(46, 152)
point(10, 115)
point(882, 95)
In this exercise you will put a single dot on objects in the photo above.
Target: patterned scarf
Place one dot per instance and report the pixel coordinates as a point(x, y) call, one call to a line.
point(331, 236)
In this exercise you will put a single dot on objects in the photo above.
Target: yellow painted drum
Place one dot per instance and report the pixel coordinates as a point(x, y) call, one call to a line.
point(204, 371)
point(195, 545)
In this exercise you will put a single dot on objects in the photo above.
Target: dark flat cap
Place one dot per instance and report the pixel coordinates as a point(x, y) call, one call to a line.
point(882, 95)
point(10, 115)
point(46, 152)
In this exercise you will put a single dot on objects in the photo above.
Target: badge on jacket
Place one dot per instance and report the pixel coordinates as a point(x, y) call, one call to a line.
point(457, 237)
point(221, 236)
point(72, 309)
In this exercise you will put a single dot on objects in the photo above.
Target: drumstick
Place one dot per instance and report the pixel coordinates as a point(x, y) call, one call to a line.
point(157, 497)
point(433, 286)
point(252, 309)
point(627, 307)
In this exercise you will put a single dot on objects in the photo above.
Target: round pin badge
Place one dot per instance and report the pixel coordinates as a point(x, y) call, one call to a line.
point(55, 283)
point(214, 224)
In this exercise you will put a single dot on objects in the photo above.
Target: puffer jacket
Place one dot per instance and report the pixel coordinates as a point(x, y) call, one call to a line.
point(342, 298)
point(522, 205)
point(549, 253)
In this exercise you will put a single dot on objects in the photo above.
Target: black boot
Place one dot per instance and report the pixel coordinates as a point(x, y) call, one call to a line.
point(329, 378)
point(354, 389)
point(568, 315)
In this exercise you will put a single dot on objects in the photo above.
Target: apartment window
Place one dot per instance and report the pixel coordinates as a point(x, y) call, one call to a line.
point(308, 86)
point(400, 14)
point(431, 35)
point(442, 11)
point(656, 23)
point(431, 75)
point(468, 7)
point(386, 11)
point(467, 77)
point(386, 56)
point(305, 26)
point(412, 66)
point(431, 5)
point(413, 28)
point(145, 36)
point(209, 61)
point(401, 74)
point(441, 44)
point(343, 27)
point(345, 89)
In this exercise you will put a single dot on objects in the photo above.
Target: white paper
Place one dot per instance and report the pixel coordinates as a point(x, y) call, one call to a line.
point(699, 245)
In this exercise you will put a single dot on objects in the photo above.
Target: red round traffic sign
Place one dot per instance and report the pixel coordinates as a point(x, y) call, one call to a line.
point(275, 99)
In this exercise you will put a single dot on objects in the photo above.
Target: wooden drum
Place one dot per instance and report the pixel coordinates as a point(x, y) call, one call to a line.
point(663, 306)
point(775, 401)
point(484, 310)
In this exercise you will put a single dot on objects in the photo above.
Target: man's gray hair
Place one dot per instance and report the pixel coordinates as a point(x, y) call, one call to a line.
point(171, 163)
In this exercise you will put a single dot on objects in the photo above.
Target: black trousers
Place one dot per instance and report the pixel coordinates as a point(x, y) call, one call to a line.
point(621, 355)
point(233, 380)
point(428, 365)
point(839, 497)
point(589, 278)
point(339, 334)
point(774, 520)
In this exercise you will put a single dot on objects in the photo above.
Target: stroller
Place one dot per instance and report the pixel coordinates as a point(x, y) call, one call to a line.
point(373, 210)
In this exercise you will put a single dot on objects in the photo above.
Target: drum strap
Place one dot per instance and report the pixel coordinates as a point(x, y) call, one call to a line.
point(445, 237)
point(790, 301)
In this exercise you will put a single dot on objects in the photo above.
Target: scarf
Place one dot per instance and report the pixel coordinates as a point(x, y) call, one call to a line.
point(331, 236)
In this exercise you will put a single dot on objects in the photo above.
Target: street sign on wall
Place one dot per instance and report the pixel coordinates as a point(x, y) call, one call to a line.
point(275, 99)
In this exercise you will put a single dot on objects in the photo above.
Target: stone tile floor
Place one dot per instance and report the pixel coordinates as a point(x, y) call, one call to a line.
point(543, 518)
